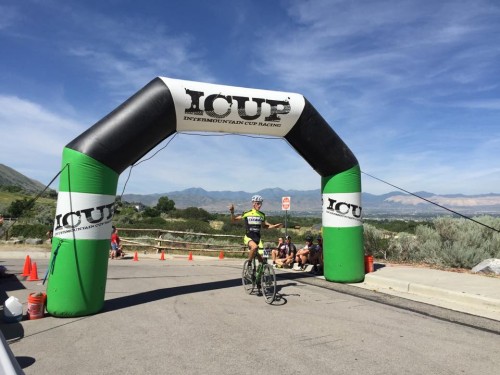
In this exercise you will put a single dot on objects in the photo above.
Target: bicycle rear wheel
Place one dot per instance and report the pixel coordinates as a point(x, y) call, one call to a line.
point(246, 277)
point(268, 282)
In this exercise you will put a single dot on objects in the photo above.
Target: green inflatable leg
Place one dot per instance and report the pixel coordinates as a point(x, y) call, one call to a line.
point(343, 249)
point(81, 241)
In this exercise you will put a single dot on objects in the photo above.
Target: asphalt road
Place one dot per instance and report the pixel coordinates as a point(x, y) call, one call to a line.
point(193, 317)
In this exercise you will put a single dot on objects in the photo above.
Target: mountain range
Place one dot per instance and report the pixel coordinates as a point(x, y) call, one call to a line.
point(308, 202)
point(303, 202)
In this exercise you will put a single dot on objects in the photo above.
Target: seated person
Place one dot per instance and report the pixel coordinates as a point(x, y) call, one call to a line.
point(302, 257)
point(316, 256)
point(289, 250)
point(49, 235)
point(279, 251)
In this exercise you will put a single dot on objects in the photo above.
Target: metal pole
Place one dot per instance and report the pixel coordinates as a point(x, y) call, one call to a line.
point(286, 224)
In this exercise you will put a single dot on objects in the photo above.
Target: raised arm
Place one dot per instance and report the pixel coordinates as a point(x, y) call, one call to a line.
point(233, 218)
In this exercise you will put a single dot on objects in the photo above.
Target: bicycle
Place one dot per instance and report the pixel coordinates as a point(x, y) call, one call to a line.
point(264, 272)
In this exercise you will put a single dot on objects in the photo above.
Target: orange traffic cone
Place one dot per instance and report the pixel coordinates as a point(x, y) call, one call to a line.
point(190, 257)
point(34, 273)
point(27, 266)
point(221, 255)
point(162, 256)
point(136, 257)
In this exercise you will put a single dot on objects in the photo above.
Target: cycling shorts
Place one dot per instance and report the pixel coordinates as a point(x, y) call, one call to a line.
point(258, 241)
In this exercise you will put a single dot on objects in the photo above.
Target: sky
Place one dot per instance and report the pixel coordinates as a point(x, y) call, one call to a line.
point(412, 87)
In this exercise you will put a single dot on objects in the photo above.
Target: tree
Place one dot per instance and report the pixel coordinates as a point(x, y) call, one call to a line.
point(197, 214)
point(18, 207)
point(165, 205)
point(151, 212)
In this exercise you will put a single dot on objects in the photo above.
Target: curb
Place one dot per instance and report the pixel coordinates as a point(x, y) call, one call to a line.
point(372, 281)
point(388, 283)
point(452, 296)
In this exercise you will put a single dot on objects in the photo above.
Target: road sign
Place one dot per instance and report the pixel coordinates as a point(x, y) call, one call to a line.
point(285, 203)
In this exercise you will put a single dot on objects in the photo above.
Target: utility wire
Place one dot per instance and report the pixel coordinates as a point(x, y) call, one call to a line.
point(188, 133)
point(434, 203)
point(33, 200)
point(282, 139)
point(142, 161)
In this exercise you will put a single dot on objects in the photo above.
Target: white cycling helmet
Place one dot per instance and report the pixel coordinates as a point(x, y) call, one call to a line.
point(257, 198)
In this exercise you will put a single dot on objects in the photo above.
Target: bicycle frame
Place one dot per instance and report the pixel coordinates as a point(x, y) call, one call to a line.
point(261, 277)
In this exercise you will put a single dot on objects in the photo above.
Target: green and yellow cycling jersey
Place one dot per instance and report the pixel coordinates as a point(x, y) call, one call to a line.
point(253, 222)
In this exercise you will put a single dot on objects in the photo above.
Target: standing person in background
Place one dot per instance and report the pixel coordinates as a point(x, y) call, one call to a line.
point(49, 235)
point(116, 248)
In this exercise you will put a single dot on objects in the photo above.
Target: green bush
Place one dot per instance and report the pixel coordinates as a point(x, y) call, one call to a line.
point(402, 247)
point(193, 213)
point(396, 226)
point(190, 226)
point(165, 205)
point(20, 207)
point(458, 255)
point(150, 212)
point(126, 216)
point(44, 214)
point(151, 222)
point(30, 231)
point(11, 188)
point(447, 241)
point(429, 245)
point(375, 242)
point(463, 243)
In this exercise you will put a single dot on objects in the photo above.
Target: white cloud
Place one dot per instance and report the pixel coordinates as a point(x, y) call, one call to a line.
point(33, 138)
point(127, 53)
point(222, 163)
point(411, 88)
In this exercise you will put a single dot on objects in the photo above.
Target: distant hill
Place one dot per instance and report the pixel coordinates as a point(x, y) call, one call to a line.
point(308, 201)
point(393, 204)
point(303, 202)
point(11, 177)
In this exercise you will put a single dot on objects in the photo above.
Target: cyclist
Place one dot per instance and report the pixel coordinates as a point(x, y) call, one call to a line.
point(255, 220)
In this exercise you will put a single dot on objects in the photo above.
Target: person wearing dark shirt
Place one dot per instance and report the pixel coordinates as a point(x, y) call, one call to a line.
point(290, 251)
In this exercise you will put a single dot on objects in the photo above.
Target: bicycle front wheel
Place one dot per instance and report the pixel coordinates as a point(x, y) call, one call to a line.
point(246, 277)
point(268, 282)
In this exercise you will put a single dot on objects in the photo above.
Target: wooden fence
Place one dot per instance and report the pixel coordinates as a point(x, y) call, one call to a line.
point(158, 244)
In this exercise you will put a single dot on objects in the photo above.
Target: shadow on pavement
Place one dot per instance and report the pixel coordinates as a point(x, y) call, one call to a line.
point(159, 294)
point(12, 331)
point(8, 283)
point(377, 266)
point(25, 361)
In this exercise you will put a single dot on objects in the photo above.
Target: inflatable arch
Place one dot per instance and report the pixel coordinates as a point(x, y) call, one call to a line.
point(94, 160)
